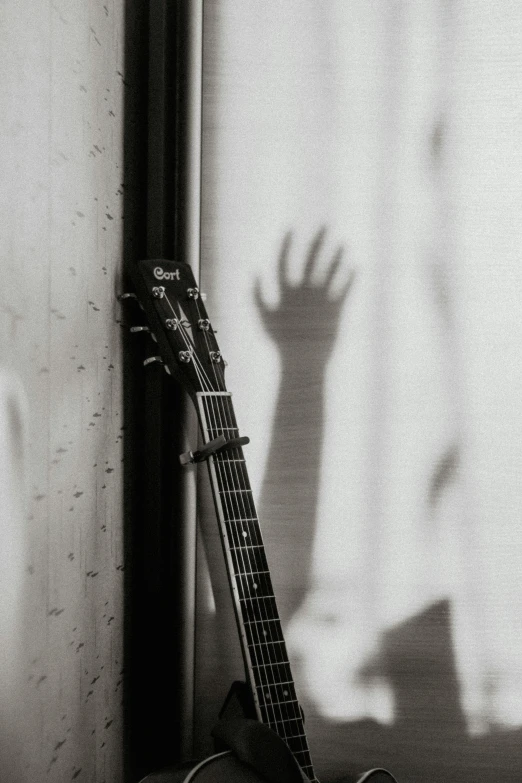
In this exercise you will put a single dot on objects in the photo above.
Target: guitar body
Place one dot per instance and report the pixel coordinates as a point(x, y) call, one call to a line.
point(220, 768)
point(226, 768)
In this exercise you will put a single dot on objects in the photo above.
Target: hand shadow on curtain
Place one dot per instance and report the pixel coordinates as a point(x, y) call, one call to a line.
point(428, 739)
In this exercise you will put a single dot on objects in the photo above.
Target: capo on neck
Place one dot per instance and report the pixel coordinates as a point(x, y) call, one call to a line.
point(215, 446)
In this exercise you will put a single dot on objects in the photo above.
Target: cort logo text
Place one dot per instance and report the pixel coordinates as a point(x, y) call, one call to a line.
point(160, 274)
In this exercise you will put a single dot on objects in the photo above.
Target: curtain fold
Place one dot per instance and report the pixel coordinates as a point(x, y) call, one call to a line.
point(385, 420)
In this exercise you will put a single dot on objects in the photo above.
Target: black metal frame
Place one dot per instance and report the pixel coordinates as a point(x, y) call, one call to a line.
point(162, 179)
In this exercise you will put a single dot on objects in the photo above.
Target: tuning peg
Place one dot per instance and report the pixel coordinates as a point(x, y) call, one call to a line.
point(129, 297)
point(195, 293)
point(146, 329)
point(153, 360)
point(157, 360)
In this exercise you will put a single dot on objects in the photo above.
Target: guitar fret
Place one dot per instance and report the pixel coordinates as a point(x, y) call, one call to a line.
point(298, 744)
point(251, 573)
point(261, 622)
point(247, 572)
point(264, 644)
point(264, 687)
point(258, 560)
point(244, 519)
point(246, 546)
point(236, 501)
point(265, 665)
point(271, 703)
point(243, 532)
point(257, 598)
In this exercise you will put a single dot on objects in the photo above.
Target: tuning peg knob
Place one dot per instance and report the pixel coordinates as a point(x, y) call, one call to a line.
point(143, 329)
point(153, 360)
point(129, 297)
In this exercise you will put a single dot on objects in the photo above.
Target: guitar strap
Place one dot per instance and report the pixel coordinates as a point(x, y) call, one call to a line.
point(255, 744)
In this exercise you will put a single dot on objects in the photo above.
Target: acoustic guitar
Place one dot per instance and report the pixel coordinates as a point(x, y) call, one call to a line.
point(167, 292)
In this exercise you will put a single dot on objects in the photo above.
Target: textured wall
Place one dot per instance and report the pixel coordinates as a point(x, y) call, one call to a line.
point(61, 152)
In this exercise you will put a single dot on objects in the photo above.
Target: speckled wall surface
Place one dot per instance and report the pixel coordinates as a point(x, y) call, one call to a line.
point(61, 157)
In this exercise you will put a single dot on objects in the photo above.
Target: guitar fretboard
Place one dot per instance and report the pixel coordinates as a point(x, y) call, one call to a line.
point(260, 629)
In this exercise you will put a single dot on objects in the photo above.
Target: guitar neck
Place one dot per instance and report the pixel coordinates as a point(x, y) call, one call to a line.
point(261, 635)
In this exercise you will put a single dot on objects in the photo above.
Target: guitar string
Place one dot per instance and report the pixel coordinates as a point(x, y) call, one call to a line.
point(289, 705)
point(205, 382)
point(242, 553)
point(242, 558)
point(272, 643)
point(244, 510)
point(207, 385)
point(264, 657)
point(274, 660)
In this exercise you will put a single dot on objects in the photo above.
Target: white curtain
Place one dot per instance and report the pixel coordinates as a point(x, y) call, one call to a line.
point(397, 126)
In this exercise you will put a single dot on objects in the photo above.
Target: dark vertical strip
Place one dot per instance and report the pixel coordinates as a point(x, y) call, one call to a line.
point(158, 576)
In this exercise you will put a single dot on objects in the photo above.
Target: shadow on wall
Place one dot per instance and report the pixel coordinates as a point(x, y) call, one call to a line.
point(13, 729)
point(428, 740)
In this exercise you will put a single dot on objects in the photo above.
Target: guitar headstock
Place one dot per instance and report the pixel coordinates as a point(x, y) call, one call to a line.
point(176, 314)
